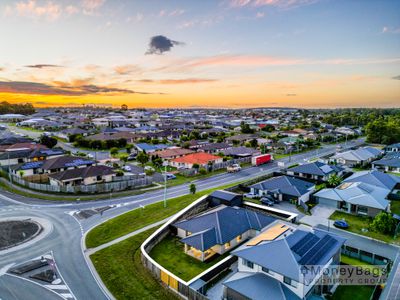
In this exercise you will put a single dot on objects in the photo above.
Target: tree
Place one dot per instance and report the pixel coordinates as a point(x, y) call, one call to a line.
point(124, 107)
point(157, 161)
point(114, 151)
point(196, 166)
point(253, 143)
point(192, 188)
point(334, 180)
point(384, 223)
point(48, 141)
point(129, 148)
point(142, 158)
point(245, 128)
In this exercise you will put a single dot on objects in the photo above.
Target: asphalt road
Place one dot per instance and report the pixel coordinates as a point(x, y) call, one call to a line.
point(65, 241)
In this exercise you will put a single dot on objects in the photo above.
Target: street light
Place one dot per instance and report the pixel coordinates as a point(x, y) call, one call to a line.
point(165, 164)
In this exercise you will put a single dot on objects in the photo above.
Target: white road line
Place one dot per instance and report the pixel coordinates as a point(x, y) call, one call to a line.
point(67, 295)
point(57, 287)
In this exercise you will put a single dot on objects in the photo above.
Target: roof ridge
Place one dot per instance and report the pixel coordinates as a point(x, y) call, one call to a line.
point(218, 224)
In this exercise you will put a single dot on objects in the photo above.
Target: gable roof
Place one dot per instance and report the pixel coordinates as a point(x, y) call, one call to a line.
point(359, 154)
point(221, 225)
point(284, 185)
point(316, 168)
point(389, 162)
point(224, 195)
point(65, 162)
point(299, 249)
point(358, 193)
point(83, 173)
point(376, 178)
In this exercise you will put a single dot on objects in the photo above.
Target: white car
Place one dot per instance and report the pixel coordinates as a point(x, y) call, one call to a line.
point(148, 168)
point(127, 168)
point(251, 196)
point(89, 155)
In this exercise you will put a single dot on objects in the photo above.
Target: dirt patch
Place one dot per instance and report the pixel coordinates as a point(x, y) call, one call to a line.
point(16, 232)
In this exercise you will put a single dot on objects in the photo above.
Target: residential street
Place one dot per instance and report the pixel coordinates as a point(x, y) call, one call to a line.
point(65, 241)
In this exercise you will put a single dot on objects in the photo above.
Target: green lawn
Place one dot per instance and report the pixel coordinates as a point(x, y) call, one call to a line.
point(139, 218)
point(170, 254)
point(356, 262)
point(121, 270)
point(395, 207)
point(353, 292)
point(357, 223)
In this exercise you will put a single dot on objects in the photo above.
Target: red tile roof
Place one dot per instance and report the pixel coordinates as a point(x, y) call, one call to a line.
point(200, 158)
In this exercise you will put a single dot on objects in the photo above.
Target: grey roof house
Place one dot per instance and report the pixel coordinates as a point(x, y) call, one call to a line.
point(284, 188)
point(360, 156)
point(219, 230)
point(389, 163)
point(277, 264)
point(315, 171)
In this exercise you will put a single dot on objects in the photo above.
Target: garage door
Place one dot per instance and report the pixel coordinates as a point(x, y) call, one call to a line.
point(327, 202)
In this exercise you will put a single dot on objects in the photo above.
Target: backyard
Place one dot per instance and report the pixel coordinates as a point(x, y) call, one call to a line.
point(360, 225)
point(353, 292)
point(170, 254)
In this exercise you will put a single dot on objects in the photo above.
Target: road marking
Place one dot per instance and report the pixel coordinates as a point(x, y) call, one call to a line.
point(4, 269)
point(57, 287)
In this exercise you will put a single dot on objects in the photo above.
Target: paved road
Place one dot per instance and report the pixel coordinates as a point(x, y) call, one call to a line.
point(65, 241)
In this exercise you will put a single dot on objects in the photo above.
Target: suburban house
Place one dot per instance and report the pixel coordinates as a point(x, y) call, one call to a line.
point(11, 158)
point(377, 178)
point(355, 198)
point(315, 171)
point(389, 163)
point(284, 188)
point(214, 147)
point(200, 158)
point(219, 230)
point(64, 163)
point(393, 148)
point(148, 148)
point(358, 157)
point(225, 197)
point(22, 146)
point(239, 152)
point(277, 263)
point(172, 153)
point(82, 176)
point(128, 136)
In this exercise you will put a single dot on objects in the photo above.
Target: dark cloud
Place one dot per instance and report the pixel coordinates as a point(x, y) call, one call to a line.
point(42, 66)
point(396, 77)
point(160, 44)
point(178, 81)
point(26, 87)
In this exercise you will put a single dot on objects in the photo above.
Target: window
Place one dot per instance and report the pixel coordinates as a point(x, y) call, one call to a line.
point(287, 280)
point(266, 270)
point(227, 245)
point(362, 210)
point(248, 264)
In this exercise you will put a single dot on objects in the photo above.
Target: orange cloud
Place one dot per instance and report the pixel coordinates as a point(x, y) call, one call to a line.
point(178, 81)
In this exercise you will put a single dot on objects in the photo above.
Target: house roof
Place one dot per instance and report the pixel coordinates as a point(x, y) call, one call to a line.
point(389, 162)
point(150, 147)
point(358, 193)
point(257, 285)
point(284, 185)
point(65, 162)
point(200, 158)
point(376, 178)
point(240, 151)
point(82, 173)
point(168, 153)
point(299, 249)
point(359, 154)
point(221, 225)
point(225, 195)
point(215, 146)
point(316, 168)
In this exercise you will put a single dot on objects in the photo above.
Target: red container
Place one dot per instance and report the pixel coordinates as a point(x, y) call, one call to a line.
point(261, 159)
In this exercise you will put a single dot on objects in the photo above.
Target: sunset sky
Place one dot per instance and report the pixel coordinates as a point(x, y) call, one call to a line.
point(222, 53)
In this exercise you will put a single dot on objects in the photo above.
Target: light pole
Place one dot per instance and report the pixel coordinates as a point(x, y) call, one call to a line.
point(165, 164)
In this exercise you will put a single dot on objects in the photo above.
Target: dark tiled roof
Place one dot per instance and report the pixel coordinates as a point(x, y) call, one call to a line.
point(284, 185)
point(376, 178)
point(227, 222)
point(91, 171)
point(225, 195)
point(316, 168)
point(65, 162)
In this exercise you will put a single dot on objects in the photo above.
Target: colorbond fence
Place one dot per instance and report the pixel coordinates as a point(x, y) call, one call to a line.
point(114, 186)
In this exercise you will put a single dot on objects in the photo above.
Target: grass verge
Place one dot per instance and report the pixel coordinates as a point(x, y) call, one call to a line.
point(138, 218)
point(353, 292)
point(121, 270)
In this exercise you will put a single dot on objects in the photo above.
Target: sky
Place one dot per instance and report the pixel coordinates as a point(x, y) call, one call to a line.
point(217, 54)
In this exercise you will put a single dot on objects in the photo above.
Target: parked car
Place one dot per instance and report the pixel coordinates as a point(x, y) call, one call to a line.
point(89, 155)
point(132, 156)
point(341, 224)
point(170, 176)
point(149, 168)
point(127, 168)
point(251, 196)
point(267, 201)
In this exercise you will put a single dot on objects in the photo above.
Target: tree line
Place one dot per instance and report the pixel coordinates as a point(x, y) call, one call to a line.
point(23, 109)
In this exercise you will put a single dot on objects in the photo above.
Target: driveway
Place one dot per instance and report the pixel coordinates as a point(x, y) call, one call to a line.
point(319, 215)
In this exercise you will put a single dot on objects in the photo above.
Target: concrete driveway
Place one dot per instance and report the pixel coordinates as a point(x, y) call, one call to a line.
point(319, 215)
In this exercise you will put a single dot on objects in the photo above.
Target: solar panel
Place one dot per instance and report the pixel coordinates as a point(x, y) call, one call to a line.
point(307, 246)
point(300, 243)
point(316, 253)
